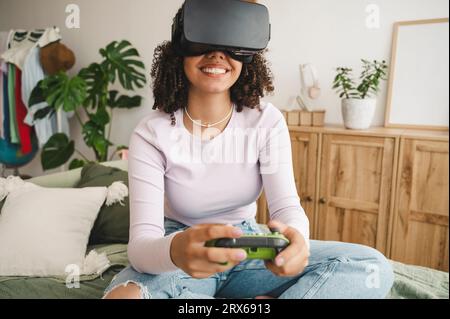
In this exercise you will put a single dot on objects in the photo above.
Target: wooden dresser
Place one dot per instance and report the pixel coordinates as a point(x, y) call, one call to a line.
point(385, 188)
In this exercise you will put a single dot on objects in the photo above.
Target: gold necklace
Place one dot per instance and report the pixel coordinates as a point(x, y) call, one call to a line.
point(209, 125)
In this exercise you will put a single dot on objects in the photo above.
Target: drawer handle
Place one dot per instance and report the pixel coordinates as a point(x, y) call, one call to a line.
point(323, 200)
point(308, 199)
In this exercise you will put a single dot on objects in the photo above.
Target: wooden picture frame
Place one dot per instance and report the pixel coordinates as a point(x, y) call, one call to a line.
point(407, 71)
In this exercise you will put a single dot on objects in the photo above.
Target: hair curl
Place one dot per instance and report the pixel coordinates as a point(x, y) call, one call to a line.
point(171, 86)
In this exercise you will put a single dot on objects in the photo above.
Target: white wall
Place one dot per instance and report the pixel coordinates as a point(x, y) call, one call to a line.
point(327, 33)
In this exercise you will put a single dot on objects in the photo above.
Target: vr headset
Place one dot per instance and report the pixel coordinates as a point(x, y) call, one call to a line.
point(239, 28)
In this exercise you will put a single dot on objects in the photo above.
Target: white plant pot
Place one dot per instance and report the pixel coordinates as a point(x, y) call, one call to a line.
point(358, 113)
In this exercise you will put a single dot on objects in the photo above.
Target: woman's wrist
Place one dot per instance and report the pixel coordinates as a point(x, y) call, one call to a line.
point(174, 249)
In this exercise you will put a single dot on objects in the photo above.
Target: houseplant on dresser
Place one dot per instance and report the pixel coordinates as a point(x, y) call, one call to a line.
point(359, 101)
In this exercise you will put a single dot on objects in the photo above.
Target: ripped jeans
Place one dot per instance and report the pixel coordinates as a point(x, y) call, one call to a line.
point(336, 270)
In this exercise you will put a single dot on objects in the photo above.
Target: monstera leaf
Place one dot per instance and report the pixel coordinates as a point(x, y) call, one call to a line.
point(91, 131)
point(61, 91)
point(101, 117)
point(120, 63)
point(76, 163)
point(36, 97)
point(93, 135)
point(44, 112)
point(123, 101)
point(57, 151)
point(96, 79)
point(90, 89)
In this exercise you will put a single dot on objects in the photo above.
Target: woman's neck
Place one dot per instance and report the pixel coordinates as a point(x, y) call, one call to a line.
point(208, 108)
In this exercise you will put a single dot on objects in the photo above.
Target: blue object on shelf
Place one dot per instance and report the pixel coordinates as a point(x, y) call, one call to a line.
point(12, 157)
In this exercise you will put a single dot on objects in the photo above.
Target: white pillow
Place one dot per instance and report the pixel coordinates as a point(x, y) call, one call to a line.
point(44, 230)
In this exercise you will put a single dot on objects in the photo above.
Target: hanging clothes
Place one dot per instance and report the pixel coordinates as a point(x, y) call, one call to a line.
point(1, 104)
point(21, 112)
point(32, 73)
point(11, 154)
point(23, 53)
point(21, 47)
point(3, 46)
point(5, 124)
point(13, 127)
point(16, 38)
point(61, 118)
point(23, 42)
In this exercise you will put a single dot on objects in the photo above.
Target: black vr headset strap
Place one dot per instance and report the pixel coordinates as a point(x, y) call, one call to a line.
point(177, 28)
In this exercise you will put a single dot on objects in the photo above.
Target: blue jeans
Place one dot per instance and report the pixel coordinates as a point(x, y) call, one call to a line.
point(336, 270)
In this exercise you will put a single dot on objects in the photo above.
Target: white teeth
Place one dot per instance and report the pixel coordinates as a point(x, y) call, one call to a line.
point(214, 70)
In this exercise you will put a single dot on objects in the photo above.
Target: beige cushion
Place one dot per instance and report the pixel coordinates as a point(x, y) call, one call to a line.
point(44, 230)
point(72, 177)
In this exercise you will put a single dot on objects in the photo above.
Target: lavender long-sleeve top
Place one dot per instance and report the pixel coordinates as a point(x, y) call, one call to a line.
point(179, 175)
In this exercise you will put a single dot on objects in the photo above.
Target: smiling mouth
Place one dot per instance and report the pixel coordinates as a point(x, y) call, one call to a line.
point(214, 71)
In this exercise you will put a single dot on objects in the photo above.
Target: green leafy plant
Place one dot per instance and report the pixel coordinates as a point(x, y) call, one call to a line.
point(372, 74)
point(88, 92)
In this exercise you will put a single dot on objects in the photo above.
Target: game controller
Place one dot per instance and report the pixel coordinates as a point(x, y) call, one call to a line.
point(264, 246)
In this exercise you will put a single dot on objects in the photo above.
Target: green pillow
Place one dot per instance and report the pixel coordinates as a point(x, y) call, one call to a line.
point(113, 222)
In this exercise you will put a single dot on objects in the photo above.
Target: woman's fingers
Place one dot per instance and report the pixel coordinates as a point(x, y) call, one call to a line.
point(292, 260)
point(296, 242)
point(291, 268)
point(275, 224)
point(205, 232)
point(294, 249)
point(200, 261)
point(210, 268)
point(222, 255)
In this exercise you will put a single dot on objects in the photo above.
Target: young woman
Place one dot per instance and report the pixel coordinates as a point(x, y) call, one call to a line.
point(188, 185)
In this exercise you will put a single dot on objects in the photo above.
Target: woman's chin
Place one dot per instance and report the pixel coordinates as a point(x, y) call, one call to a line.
point(214, 90)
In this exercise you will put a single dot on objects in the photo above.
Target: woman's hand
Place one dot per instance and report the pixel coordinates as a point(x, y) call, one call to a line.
point(292, 260)
point(188, 251)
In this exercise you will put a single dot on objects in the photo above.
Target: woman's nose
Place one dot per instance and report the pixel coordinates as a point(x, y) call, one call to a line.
point(216, 54)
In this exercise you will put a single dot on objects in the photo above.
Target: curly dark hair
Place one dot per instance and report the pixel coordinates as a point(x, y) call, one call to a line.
point(171, 86)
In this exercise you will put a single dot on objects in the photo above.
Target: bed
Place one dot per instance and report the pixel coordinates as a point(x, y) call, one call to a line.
point(410, 281)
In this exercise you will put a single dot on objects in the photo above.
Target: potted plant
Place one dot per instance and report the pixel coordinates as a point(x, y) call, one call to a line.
point(358, 103)
point(88, 92)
